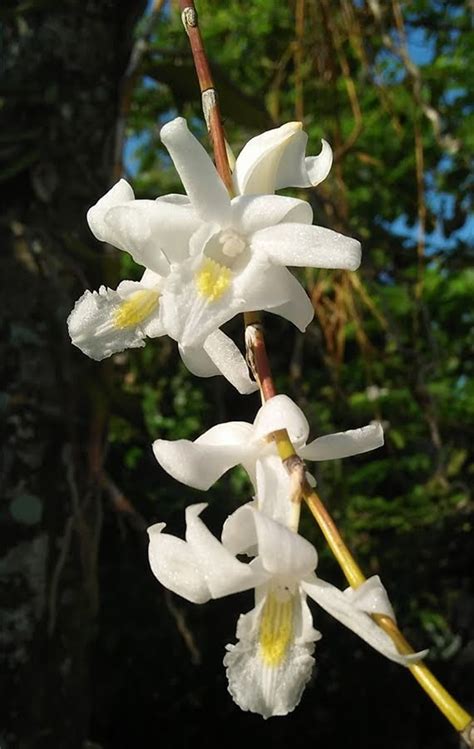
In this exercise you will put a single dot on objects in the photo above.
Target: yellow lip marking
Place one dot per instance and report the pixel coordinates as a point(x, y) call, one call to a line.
point(136, 308)
point(212, 280)
point(276, 629)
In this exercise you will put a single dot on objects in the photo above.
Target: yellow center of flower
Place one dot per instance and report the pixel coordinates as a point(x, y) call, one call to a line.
point(136, 308)
point(276, 629)
point(212, 280)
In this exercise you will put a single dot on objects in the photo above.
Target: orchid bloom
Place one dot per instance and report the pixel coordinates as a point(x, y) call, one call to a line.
point(200, 463)
point(272, 661)
point(107, 321)
point(221, 256)
point(239, 252)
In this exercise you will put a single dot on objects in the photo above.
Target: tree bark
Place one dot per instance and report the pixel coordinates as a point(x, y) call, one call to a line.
point(62, 72)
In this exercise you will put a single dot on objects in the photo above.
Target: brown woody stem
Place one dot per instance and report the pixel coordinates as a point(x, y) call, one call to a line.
point(210, 102)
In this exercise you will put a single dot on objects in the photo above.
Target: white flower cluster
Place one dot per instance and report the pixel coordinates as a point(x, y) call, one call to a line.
point(208, 257)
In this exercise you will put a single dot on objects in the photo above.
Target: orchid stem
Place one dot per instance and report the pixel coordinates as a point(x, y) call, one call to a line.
point(259, 364)
point(457, 716)
point(210, 102)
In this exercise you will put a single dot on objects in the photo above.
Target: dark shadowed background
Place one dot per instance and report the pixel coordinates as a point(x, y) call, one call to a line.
point(96, 653)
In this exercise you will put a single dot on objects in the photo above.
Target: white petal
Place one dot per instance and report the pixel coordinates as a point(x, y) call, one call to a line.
point(253, 212)
point(299, 309)
point(229, 361)
point(152, 280)
point(175, 198)
point(198, 361)
point(203, 293)
point(262, 286)
point(199, 464)
point(281, 412)
point(149, 228)
point(294, 170)
point(276, 159)
point(281, 551)
point(318, 167)
point(274, 489)
point(198, 174)
point(238, 532)
point(338, 605)
point(189, 316)
point(344, 444)
point(93, 321)
point(307, 246)
point(192, 314)
point(219, 355)
point(371, 597)
point(258, 685)
point(121, 192)
point(223, 573)
point(176, 566)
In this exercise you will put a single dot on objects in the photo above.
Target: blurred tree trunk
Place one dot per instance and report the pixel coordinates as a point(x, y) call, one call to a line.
point(62, 71)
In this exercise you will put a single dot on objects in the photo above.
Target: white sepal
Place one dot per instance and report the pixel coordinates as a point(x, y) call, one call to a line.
point(275, 159)
point(341, 607)
point(307, 246)
point(120, 193)
point(219, 355)
point(344, 444)
point(93, 323)
point(280, 412)
point(175, 565)
point(199, 464)
point(250, 213)
point(201, 181)
point(229, 361)
point(223, 573)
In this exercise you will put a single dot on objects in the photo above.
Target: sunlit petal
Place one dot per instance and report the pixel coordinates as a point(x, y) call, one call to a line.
point(307, 246)
point(371, 597)
point(271, 664)
point(149, 228)
point(223, 573)
point(198, 174)
point(105, 322)
point(120, 193)
point(253, 212)
point(176, 566)
point(340, 606)
point(344, 444)
point(298, 309)
point(276, 159)
point(199, 464)
point(228, 361)
point(280, 412)
point(281, 551)
point(274, 489)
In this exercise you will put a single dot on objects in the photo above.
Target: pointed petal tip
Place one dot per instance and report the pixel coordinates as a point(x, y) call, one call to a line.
point(193, 511)
point(354, 254)
point(292, 127)
point(171, 127)
point(155, 529)
point(377, 431)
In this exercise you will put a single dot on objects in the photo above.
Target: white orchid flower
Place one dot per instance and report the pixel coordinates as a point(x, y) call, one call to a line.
point(200, 463)
point(239, 252)
point(108, 321)
point(269, 667)
point(276, 159)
